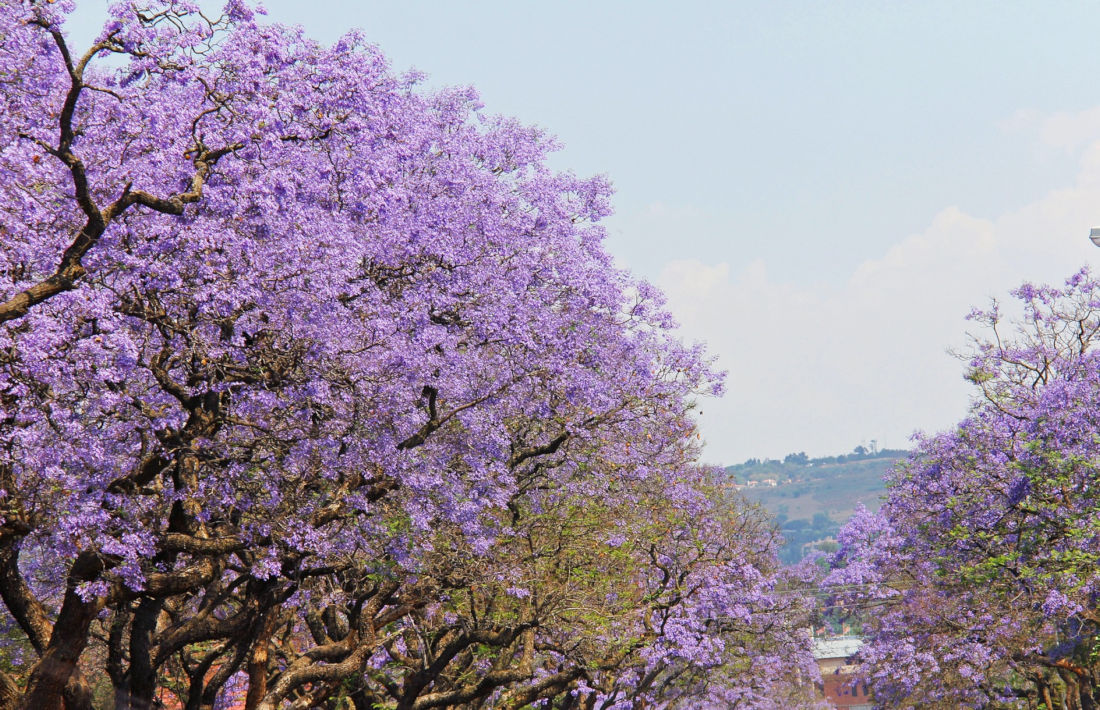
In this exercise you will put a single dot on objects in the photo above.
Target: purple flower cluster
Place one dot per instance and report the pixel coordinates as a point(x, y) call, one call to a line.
point(318, 387)
point(981, 570)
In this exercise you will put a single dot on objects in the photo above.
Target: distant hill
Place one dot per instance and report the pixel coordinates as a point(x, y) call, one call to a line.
point(812, 498)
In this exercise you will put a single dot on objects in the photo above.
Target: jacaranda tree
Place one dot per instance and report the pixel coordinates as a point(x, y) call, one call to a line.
point(317, 390)
point(982, 567)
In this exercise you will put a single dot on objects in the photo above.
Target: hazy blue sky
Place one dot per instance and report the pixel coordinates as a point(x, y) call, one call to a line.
point(822, 188)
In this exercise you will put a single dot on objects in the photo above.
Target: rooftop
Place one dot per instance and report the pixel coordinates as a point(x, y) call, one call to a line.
point(836, 646)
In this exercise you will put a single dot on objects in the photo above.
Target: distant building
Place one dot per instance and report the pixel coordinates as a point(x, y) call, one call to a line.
point(833, 655)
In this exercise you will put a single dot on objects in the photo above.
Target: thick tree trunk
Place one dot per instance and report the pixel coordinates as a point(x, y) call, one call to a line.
point(143, 680)
point(47, 687)
point(257, 662)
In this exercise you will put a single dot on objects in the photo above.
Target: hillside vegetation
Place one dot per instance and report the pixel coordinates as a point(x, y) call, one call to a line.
point(812, 498)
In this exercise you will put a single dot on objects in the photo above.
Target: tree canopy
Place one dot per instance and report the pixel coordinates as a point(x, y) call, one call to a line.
point(319, 390)
point(981, 568)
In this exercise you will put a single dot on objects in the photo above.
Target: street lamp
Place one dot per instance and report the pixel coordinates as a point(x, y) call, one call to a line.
point(1094, 235)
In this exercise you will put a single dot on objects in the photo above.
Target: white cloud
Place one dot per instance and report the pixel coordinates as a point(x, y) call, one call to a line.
point(1063, 130)
point(821, 368)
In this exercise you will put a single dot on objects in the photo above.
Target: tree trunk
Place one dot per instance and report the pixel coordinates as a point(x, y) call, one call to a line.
point(47, 687)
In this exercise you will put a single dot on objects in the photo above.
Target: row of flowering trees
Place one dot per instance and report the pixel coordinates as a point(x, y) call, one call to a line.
point(981, 572)
point(320, 392)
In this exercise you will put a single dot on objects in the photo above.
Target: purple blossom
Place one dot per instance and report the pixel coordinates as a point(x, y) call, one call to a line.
point(302, 362)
